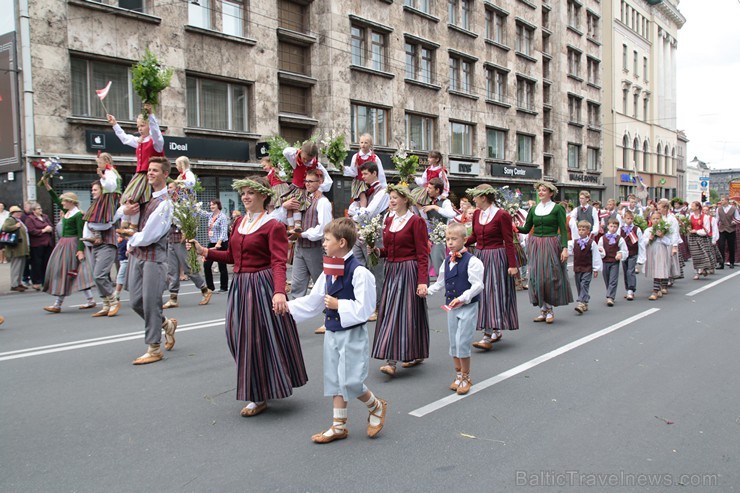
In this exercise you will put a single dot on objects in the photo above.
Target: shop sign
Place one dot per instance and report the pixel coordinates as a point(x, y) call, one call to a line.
point(211, 149)
point(583, 178)
point(515, 172)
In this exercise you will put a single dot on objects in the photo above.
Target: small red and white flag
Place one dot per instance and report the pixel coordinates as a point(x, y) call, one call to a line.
point(633, 236)
point(334, 266)
point(102, 93)
point(447, 308)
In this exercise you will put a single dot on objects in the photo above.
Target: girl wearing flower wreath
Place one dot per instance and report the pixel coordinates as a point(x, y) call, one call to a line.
point(402, 331)
point(700, 241)
point(261, 335)
point(657, 245)
point(99, 215)
point(149, 143)
point(435, 170)
point(278, 186)
point(493, 237)
point(301, 160)
point(67, 269)
point(547, 253)
point(364, 155)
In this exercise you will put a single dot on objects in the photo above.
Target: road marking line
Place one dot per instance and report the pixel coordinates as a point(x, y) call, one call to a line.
point(56, 348)
point(712, 284)
point(163, 296)
point(479, 387)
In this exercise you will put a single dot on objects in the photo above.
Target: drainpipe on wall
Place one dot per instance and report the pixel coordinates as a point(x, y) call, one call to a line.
point(28, 115)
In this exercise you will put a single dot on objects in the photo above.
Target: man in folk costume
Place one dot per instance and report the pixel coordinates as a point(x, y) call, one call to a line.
point(377, 205)
point(584, 212)
point(633, 206)
point(104, 251)
point(727, 217)
point(440, 210)
point(147, 269)
point(609, 213)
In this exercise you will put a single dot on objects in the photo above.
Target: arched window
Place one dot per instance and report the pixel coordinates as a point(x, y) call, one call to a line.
point(625, 151)
point(636, 152)
point(646, 156)
point(658, 158)
point(673, 167)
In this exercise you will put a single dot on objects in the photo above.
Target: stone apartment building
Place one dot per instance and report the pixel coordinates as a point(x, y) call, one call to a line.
point(508, 90)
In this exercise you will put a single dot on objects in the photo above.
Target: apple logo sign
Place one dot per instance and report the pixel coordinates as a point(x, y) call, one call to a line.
point(263, 150)
point(98, 141)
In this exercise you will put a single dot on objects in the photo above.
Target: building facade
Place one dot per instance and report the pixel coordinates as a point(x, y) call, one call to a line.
point(509, 91)
point(697, 188)
point(641, 138)
point(720, 180)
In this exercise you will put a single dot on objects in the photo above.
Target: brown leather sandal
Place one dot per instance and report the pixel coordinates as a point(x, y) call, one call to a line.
point(336, 433)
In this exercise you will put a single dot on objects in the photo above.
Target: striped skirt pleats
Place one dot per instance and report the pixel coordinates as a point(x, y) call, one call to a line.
point(358, 187)
point(548, 277)
point(138, 190)
point(497, 306)
point(64, 273)
point(103, 208)
point(265, 346)
point(701, 251)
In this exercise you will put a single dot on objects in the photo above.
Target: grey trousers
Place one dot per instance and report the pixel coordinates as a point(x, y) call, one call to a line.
point(630, 279)
point(177, 256)
point(308, 263)
point(360, 252)
point(17, 265)
point(611, 278)
point(103, 257)
point(437, 256)
point(583, 283)
point(146, 283)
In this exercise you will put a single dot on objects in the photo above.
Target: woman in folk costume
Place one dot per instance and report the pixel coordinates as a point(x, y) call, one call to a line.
point(402, 330)
point(149, 143)
point(99, 215)
point(278, 186)
point(493, 236)
point(365, 154)
point(700, 241)
point(547, 253)
point(261, 335)
point(67, 269)
point(677, 262)
point(657, 248)
point(435, 170)
point(301, 160)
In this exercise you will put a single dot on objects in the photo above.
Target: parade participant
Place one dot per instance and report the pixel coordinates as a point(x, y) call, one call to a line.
point(548, 253)
point(177, 260)
point(147, 268)
point(347, 300)
point(148, 144)
point(377, 205)
point(364, 155)
point(67, 268)
point(102, 256)
point(18, 253)
point(301, 160)
point(610, 213)
point(715, 253)
point(122, 269)
point(435, 169)
point(584, 212)
point(493, 237)
point(99, 215)
point(461, 276)
point(700, 241)
point(278, 185)
point(657, 256)
point(41, 237)
point(570, 222)
point(586, 264)
point(439, 210)
point(261, 335)
point(615, 250)
point(402, 331)
point(185, 176)
point(632, 206)
point(218, 238)
point(636, 253)
point(727, 216)
point(664, 206)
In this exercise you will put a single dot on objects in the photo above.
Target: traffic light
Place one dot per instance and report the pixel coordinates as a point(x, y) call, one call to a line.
point(703, 197)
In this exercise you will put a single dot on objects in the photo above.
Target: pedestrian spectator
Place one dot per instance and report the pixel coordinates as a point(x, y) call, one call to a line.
point(3, 216)
point(41, 234)
point(18, 253)
point(218, 238)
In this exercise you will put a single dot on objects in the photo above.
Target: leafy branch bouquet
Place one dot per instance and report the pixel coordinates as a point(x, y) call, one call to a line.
point(661, 227)
point(684, 224)
point(640, 222)
point(277, 146)
point(371, 233)
point(149, 79)
point(50, 167)
point(437, 232)
point(187, 217)
point(335, 149)
point(405, 164)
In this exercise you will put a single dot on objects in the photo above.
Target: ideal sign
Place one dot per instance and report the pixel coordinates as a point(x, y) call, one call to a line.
point(463, 167)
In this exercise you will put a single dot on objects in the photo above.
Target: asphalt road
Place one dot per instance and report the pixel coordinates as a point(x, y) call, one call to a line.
point(639, 397)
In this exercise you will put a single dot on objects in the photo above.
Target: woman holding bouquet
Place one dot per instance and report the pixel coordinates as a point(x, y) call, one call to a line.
point(67, 268)
point(261, 335)
point(658, 245)
point(700, 241)
point(402, 331)
point(493, 237)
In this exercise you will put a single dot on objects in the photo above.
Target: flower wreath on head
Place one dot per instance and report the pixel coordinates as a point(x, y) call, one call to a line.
point(403, 190)
point(489, 190)
point(252, 185)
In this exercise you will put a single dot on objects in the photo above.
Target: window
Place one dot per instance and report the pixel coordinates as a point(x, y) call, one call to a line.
point(574, 14)
point(419, 62)
point(461, 139)
point(496, 26)
point(233, 22)
point(135, 5)
point(593, 159)
point(422, 5)
point(216, 104)
point(645, 108)
point(88, 75)
point(459, 12)
point(293, 99)
point(625, 152)
point(594, 114)
point(368, 47)
point(495, 143)
point(199, 14)
point(645, 156)
point(461, 74)
point(658, 157)
point(635, 100)
point(625, 95)
point(524, 148)
point(293, 58)
point(371, 120)
point(574, 109)
point(624, 58)
point(525, 94)
point(419, 132)
point(574, 62)
point(636, 152)
point(524, 37)
point(592, 69)
point(292, 16)
point(592, 21)
point(634, 63)
point(644, 68)
point(496, 84)
point(574, 151)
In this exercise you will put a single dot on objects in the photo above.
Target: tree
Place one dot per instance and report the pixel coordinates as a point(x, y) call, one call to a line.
point(713, 196)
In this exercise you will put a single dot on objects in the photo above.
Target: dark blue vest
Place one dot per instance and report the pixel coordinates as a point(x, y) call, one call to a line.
point(456, 280)
point(343, 290)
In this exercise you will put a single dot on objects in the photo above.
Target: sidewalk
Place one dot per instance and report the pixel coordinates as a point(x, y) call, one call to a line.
point(5, 279)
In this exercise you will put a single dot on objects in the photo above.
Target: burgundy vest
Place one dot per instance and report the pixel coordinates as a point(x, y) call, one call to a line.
point(611, 250)
point(582, 259)
point(157, 251)
point(310, 220)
